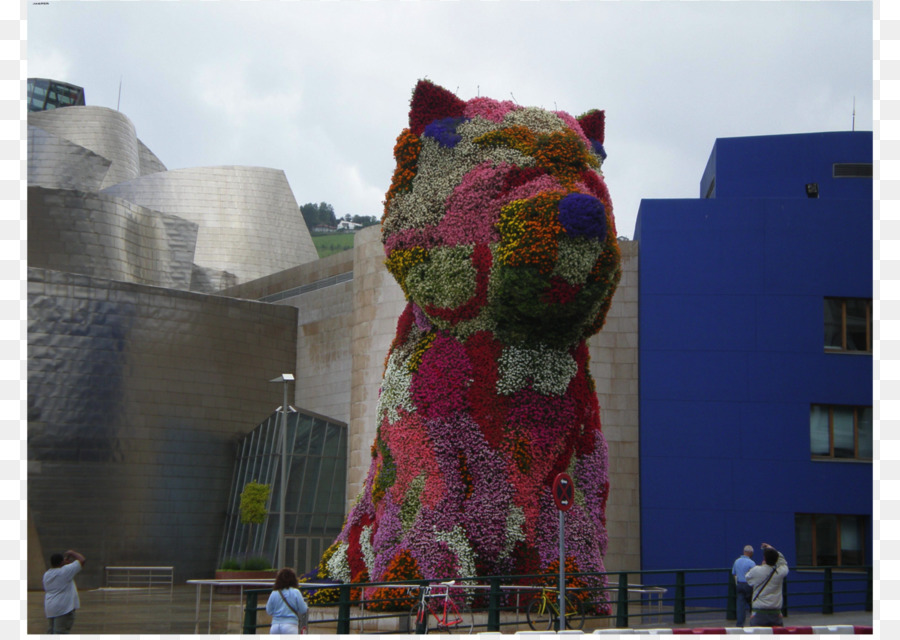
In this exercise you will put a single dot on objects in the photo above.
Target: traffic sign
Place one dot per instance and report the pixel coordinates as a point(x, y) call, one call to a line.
point(564, 492)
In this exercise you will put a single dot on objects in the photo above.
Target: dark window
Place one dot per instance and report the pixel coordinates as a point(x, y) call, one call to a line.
point(830, 540)
point(852, 169)
point(848, 324)
point(840, 432)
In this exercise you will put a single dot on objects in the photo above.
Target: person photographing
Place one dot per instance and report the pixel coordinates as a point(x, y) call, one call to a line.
point(61, 596)
point(767, 581)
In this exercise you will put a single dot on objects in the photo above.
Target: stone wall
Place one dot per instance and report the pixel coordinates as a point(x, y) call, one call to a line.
point(614, 365)
point(378, 303)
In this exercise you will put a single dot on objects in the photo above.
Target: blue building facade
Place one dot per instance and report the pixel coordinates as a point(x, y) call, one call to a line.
point(755, 343)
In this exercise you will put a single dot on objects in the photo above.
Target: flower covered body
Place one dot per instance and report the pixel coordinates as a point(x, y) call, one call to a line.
point(499, 228)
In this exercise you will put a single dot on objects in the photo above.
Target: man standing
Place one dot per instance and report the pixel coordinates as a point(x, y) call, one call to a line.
point(766, 581)
point(61, 597)
point(744, 591)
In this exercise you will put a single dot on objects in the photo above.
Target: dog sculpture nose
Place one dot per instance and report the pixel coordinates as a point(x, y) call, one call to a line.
point(583, 216)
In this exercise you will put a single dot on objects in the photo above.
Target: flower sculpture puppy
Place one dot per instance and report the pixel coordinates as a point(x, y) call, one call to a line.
point(499, 228)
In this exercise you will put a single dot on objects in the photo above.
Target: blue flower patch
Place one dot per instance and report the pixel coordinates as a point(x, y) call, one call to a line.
point(598, 148)
point(583, 216)
point(444, 131)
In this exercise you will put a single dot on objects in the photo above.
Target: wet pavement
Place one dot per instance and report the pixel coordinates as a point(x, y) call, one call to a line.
point(140, 612)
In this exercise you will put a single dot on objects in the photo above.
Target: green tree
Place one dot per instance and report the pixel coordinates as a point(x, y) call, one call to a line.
point(365, 221)
point(314, 214)
point(253, 505)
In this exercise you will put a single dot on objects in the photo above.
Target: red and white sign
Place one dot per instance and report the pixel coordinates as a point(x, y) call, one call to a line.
point(564, 492)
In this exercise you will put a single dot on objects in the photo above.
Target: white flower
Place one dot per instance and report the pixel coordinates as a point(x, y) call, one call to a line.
point(547, 370)
point(338, 566)
point(365, 546)
point(515, 521)
point(458, 543)
point(446, 280)
point(395, 393)
point(576, 258)
point(536, 119)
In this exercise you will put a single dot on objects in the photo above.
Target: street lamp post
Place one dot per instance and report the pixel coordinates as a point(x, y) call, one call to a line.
point(285, 378)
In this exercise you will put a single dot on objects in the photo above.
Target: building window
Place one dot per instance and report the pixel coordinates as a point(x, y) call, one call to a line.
point(848, 325)
point(828, 540)
point(838, 432)
point(852, 170)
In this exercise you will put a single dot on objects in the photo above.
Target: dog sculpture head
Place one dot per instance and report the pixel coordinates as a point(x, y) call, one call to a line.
point(498, 219)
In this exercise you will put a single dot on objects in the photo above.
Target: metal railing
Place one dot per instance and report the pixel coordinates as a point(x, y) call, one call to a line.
point(618, 598)
point(147, 578)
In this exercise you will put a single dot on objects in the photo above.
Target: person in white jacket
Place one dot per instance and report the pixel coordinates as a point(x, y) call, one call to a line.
point(767, 580)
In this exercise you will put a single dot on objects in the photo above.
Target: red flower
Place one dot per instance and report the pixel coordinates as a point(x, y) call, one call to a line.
point(593, 123)
point(431, 102)
point(560, 292)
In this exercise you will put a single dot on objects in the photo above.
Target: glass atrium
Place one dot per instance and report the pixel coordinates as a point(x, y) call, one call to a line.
point(44, 94)
point(314, 502)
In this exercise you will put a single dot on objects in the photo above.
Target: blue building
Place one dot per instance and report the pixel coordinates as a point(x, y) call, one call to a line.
point(755, 343)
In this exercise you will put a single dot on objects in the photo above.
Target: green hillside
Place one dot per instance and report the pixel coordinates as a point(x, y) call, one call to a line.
point(328, 243)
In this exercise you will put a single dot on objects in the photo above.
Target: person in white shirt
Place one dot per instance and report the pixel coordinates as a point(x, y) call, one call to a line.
point(766, 581)
point(61, 596)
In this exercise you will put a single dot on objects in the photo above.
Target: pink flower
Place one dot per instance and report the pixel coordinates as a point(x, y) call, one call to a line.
point(489, 109)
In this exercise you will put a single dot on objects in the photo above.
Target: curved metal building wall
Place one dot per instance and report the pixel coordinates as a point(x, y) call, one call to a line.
point(106, 132)
point(95, 234)
point(250, 223)
point(137, 397)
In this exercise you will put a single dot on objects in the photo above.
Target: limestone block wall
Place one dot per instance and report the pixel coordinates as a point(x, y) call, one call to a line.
point(378, 303)
point(137, 396)
point(614, 366)
point(322, 293)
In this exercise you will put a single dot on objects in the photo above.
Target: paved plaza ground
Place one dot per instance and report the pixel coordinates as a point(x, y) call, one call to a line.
point(137, 612)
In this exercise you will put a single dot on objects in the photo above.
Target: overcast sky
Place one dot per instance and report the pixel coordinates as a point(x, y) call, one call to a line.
point(321, 89)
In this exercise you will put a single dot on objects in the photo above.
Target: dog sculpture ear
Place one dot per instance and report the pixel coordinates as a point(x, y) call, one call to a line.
point(593, 123)
point(431, 102)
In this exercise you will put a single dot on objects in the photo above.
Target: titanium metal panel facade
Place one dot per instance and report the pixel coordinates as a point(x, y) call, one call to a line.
point(250, 223)
point(137, 397)
point(57, 163)
point(99, 235)
point(106, 132)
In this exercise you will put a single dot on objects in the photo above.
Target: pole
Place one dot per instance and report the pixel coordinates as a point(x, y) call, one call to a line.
point(561, 619)
point(281, 562)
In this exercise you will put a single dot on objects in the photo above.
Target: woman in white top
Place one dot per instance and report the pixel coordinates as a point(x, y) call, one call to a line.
point(286, 605)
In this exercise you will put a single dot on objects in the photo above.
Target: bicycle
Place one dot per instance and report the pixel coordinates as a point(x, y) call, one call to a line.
point(436, 609)
point(543, 611)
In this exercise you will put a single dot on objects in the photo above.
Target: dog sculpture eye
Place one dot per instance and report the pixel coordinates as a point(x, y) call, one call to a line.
point(499, 229)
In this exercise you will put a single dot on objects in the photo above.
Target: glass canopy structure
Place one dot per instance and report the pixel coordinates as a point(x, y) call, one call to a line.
point(45, 94)
point(314, 502)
